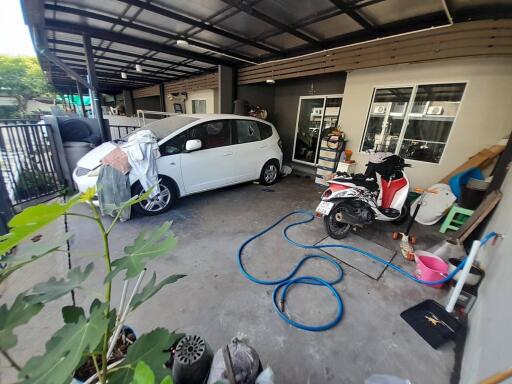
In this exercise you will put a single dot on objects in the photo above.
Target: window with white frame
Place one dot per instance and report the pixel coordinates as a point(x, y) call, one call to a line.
point(412, 121)
point(198, 106)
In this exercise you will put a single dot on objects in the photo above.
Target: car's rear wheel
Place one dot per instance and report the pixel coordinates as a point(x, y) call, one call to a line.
point(269, 172)
point(158, 204)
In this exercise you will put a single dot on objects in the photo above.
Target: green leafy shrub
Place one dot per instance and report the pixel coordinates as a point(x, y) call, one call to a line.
point(86, 335)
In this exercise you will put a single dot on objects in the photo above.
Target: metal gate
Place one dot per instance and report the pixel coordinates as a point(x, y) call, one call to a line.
point(29, 165)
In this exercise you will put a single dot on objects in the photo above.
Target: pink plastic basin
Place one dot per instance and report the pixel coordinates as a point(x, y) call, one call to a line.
point(430, 267)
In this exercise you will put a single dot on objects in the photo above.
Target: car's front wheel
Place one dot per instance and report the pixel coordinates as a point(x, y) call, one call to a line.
point(269, 172)
point(157, 204)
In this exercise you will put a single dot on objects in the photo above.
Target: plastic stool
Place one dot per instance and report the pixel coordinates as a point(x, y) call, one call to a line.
point(455, 218)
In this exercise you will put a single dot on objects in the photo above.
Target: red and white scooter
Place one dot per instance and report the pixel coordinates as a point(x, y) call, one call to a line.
point(359, 200)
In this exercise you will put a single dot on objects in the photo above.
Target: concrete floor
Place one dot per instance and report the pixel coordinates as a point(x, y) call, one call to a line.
point(217, 302)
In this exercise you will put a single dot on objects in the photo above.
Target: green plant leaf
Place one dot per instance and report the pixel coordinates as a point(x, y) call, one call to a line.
point(65, 349)
point(53, 288)
point(147, 246)
point(31, 253)
point(151, 289)
point(150, 349)
point(71, 313)
point(31, 220)
point(143, 374)
point(19, 313)
point(167, 380)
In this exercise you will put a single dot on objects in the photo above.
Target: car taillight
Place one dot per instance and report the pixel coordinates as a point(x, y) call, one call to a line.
point(280, 143)
point(327, 193)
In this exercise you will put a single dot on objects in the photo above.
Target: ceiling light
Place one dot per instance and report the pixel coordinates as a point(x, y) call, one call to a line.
point(124, 75)
point(183, 43)
point(138, 67)
point(270, 81)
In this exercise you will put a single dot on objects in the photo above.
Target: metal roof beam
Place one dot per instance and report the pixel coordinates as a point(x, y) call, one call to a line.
point(141, 28)
point(111, 65)
point(73, 28)
point(356, 16)
point(269, 20)
point(390, 29)
point(199, 24)
point(134, 55)
point(120, 69)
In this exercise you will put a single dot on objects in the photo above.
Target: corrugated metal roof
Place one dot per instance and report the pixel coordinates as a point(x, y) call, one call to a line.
point(230, 32)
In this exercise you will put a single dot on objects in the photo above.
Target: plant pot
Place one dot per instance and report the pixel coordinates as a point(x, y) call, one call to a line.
point(474, 276)
point(81, 379)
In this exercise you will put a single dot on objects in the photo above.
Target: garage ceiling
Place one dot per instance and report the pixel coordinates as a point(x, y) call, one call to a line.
point(228, 32)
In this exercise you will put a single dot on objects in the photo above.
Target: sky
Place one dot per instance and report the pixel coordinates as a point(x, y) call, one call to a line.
point(14, 34)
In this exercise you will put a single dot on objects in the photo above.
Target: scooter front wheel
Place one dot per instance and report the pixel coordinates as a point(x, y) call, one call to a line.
point(336, 229)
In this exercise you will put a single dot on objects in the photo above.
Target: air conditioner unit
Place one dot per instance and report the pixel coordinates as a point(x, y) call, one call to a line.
point(379, 109)
point(435, 110)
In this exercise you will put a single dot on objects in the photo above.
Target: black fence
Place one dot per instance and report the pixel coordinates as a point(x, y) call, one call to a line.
point(25, 120)
point(28, 162)
point(120, 131)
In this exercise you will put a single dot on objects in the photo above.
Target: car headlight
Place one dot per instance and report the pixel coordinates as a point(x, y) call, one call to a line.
point(95, 172)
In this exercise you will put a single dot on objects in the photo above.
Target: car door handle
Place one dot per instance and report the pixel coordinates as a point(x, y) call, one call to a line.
point(228, 153)
point(263, 146)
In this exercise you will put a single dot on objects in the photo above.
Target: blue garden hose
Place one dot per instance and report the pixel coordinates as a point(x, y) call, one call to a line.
point(285, 283)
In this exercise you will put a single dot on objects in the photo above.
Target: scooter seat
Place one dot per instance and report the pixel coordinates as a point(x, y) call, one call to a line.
point(360, 181)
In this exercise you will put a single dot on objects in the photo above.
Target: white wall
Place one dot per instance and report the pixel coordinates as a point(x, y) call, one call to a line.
point(205, 94)
point(484, 115)
point(488, 347)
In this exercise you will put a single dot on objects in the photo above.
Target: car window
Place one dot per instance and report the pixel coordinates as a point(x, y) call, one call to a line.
point(212, 134)
point(164, 127)
point(247, 131)
point(265, 131)
point(174, 145)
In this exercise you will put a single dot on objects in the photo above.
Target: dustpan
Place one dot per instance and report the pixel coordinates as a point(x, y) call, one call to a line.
point(432, 322)
point(435, 323)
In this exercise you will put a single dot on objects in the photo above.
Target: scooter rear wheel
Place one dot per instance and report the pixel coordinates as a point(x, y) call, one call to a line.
point(336, 229)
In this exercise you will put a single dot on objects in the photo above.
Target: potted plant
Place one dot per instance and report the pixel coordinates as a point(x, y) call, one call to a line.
point(94, 339)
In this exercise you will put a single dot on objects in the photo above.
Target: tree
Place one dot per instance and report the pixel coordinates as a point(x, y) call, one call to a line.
point(21, 77)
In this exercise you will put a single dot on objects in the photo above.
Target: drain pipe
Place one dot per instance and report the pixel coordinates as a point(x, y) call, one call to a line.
point(463, 275)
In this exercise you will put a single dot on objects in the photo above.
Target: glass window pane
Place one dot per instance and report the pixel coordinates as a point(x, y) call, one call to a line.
point(387, 114)
point(332, 112)
point(212, 134)
point(430, 121)
point(247, 131)
point(265, 131)
point(422, 151)
point(198, 106)
point(308, 127)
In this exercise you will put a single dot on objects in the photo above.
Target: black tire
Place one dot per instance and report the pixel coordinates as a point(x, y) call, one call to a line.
point(167, 193)
point(334, 228)
point(269, 172)
point(404, 214)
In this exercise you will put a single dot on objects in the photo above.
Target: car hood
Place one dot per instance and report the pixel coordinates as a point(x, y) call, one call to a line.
point(93, 158)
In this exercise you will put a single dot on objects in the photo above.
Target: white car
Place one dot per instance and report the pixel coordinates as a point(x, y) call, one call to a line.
point(198, 153)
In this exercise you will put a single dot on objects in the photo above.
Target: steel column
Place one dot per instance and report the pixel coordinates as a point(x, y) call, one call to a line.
point(95, 97)
point(79, 90)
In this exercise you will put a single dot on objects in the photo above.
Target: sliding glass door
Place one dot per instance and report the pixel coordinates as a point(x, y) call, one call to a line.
point(316, 116)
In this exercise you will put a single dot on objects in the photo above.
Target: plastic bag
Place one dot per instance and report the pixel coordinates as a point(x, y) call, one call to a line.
point(245, 363)
point(266, 377)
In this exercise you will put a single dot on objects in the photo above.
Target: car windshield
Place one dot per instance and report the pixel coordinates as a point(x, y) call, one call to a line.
point(163, 127)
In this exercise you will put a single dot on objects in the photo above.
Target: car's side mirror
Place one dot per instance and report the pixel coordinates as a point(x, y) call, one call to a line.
point(193, 145)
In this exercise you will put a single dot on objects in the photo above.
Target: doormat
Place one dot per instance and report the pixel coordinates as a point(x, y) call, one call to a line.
point(362, 263)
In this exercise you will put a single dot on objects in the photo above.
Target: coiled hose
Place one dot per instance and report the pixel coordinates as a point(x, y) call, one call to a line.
point(285, 283)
